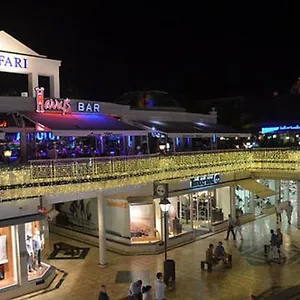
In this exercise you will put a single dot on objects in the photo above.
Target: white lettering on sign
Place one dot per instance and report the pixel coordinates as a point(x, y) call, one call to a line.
point(13, 62)
point(88, 107)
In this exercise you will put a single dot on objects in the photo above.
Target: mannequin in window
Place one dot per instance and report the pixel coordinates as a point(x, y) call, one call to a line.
point(37, 245)
point(29, 249)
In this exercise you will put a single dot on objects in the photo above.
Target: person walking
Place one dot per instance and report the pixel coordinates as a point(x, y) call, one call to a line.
point(160, 287)
point(280, 244)
point(135, 290)
point(147, 292)
point(230, 227)
point(289, 211)
point(278, 212)
point(238, 227)
point(103, 295)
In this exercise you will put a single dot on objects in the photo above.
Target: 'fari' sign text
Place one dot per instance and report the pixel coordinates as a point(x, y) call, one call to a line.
point(10, 61)
point(42, 104)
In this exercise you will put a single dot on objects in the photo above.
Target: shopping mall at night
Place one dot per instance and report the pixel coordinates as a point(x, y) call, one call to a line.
point(96, 172)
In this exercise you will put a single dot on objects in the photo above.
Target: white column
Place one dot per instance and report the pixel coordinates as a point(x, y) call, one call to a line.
point(298, 203)
point(286, 196)
point(23, 271)
point(232, 201)
point(191, 210)
point(54, 86)
point(252, 203)
point(101, 230)
point(33, 82)
point(277, 190)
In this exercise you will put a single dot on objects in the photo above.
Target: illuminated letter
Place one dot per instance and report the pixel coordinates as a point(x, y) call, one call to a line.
point(39, 99)
point(80, 106)
point(96, 107)
point(88, 107)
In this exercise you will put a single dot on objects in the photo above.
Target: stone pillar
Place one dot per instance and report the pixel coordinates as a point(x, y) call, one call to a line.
point(23, 271)
point(277, 190)
point(252, 203)
point(33, 82)
point(101, 230)
point(191, 210)
point(232, 201)
point(54, 86)
point(285, 190)
point(298, 204)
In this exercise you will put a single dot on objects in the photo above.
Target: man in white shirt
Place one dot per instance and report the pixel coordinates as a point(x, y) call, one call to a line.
point(160, 287)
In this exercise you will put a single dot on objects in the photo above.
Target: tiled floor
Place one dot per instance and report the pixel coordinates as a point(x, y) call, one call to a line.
point(249, 274)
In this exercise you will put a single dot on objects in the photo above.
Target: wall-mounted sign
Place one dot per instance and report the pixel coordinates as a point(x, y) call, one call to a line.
point(205, 180)
point(265, 130)
point(88, 107)
point(10, 61)
point(42, 104)
point(160, 190)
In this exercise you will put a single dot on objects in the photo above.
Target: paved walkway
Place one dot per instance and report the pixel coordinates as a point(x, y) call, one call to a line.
point(250, 273)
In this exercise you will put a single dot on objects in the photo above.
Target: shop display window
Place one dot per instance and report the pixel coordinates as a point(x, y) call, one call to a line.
point(142, 229)
point(221, 209)
point(8, 257)
point(242, 201)
point(35, 246)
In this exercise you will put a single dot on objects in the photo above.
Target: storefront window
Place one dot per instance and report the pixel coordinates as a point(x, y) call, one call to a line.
point(242, 201)
point(142, 227)
point(202, 209)
point(8, 256)
point(221, 209)
point(35, 246)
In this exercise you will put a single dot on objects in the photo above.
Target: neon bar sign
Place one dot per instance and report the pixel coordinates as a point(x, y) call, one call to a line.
point(265, 130)
point(43, 104)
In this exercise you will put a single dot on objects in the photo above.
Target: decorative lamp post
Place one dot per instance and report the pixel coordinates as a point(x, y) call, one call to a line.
point(164, 206)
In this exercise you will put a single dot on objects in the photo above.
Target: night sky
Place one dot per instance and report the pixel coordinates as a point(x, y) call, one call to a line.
point(194, 52)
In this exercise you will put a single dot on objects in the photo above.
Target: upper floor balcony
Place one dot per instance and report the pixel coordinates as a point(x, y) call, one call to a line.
point(42, 177)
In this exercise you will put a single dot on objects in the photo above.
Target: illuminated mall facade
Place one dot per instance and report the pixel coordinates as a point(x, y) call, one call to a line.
point(88, 170)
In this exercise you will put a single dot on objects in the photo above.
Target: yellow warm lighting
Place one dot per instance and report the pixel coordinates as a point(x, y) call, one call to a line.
point(45, 179)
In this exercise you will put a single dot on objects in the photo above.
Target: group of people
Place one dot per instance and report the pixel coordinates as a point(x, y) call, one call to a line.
point(276, 252)
point(139, 292)
point(213, 256)
point(234, 227)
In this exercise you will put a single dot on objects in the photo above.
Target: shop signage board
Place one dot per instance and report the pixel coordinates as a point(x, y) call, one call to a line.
point(62, 105)
point(206, 180)
point(42, 104)
point(11, 61)
point(265, 130)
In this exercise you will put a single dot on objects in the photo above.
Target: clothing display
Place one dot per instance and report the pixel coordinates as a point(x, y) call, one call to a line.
point(37, 245)
point(3, 254)
point(29, 248)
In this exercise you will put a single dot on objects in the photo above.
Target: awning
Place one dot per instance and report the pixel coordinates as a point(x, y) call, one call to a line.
point(257, 188)
point(189, 129)
point(80, 124)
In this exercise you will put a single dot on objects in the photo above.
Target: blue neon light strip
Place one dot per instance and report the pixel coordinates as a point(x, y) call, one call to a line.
point(265, 130)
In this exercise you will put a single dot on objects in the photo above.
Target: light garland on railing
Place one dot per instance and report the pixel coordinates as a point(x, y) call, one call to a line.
point(41, 180)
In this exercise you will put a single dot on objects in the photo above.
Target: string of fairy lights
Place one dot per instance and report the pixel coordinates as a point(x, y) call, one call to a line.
point(47, 178)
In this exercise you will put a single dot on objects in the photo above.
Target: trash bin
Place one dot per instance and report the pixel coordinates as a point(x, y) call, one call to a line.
point(169, 270)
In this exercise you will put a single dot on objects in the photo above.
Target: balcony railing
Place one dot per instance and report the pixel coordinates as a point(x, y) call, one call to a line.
point(61, 174)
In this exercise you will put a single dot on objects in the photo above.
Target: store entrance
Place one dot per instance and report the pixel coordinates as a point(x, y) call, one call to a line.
point(202, 211)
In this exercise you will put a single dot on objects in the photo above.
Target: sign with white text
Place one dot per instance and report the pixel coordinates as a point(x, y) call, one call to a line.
point(205, 180)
